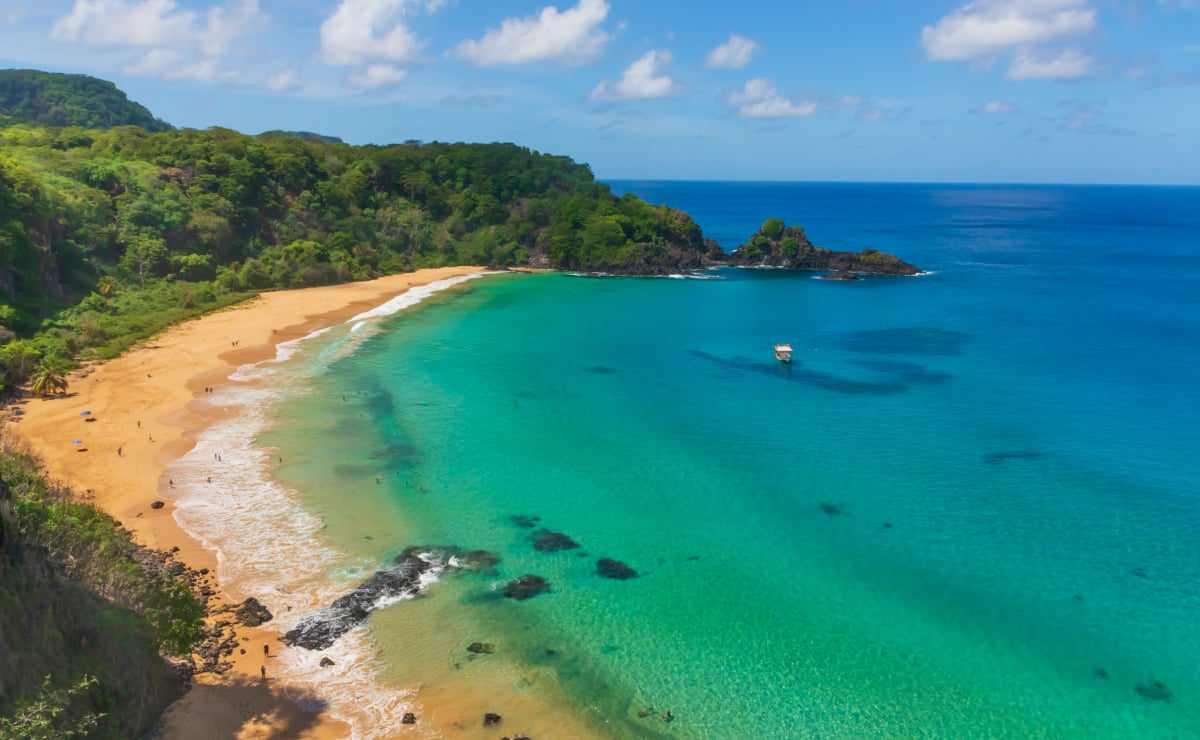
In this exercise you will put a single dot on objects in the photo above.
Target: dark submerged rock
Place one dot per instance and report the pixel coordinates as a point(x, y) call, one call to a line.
point(546, 541)
point(615, 569)
point(480, 561)
point(528, 522)
point(992, 458)
point(526, 587)
point(831, 509)
point(1100, 673)
point(251, 613)
point(481, 648)
point(326, 662)
point(158, 505)
point(840, 275)
point(409, 719)
point(1154, 691)
point(491, 720)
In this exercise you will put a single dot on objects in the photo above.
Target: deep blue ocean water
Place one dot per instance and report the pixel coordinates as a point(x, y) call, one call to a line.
point(970, 508)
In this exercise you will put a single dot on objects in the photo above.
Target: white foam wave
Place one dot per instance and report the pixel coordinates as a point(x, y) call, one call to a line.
point(270, 548)
point(412, 297)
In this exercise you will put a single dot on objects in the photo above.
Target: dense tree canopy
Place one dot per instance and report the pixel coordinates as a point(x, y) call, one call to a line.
point(70, 100)
point(107, 234)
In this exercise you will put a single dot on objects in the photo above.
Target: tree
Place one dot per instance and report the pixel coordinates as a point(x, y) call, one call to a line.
point(106, 286)
point(49, 377)
point(773, 227)
point(145, 254)
point(47, 716)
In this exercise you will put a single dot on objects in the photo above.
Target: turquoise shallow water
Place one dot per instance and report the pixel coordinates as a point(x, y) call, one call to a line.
point(969, 508)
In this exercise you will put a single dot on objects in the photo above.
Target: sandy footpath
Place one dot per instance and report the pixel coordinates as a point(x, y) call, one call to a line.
point(145, 418)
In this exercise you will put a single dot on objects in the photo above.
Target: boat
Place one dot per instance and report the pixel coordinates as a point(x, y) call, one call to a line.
point(783, 352)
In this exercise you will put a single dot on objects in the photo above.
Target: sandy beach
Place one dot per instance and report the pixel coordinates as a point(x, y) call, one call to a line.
point(145, 416)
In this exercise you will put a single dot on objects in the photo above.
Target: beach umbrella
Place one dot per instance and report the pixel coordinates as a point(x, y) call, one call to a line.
point(85, 413)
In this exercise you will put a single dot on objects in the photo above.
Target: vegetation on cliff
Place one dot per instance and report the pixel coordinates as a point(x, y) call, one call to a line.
point(108, 235)
point(777, 245)
point(80, 602)
point(53, 99)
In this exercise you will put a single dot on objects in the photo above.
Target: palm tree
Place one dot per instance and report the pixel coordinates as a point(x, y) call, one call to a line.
point(47, 379)
point(107, 285)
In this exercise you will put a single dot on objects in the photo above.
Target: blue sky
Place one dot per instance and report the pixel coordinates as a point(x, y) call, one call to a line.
point(1088, 91)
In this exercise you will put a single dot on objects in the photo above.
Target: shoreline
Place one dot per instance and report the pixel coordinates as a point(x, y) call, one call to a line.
point(148, 414)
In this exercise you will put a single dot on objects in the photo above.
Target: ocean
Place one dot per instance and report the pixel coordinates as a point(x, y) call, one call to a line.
point(969, 508)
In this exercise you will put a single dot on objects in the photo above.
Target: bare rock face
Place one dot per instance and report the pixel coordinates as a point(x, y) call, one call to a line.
point(251, 613)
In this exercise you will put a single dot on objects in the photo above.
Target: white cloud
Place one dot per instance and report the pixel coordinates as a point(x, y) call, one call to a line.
point(170, 64)
point(281, 81)
point(758, 98)
point(996, 108)
point(644, 79)
point(121, 23)
point(572, 36)
point(989, 28)
point(1067, 63)
point(375, 75)
point(1034, 32)
point(180, 44)
point(365, 31)
point(1080, 117)
point(733, 54)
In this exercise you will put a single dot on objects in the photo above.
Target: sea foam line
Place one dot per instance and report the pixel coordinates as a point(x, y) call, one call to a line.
point(267, 546)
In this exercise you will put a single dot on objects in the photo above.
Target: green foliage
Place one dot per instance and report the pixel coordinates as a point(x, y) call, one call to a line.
point(772, 227)
point(790, 246)
point(49, 377)
point(111, 235)
point(70, 100)
point(50, 716)
point(90, 547)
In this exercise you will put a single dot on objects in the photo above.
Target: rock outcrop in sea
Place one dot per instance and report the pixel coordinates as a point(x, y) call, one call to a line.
point(324, 627)
point(777, 245)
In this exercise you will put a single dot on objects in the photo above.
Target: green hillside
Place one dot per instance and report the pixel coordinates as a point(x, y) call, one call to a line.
point(107, 235)
point(53, 99)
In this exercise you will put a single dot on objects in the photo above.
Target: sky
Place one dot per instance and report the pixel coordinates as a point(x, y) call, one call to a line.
point(1070, 91)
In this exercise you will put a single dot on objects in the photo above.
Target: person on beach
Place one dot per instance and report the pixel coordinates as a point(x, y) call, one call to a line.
point(264, 672)
point(266, 650)
point(118, 452)
point(151, 436)
point(171, 482)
